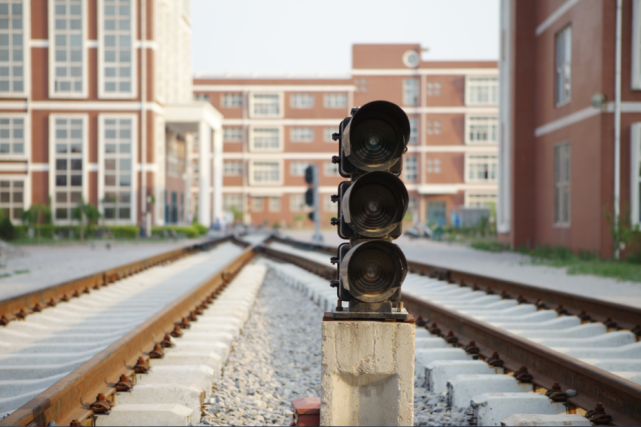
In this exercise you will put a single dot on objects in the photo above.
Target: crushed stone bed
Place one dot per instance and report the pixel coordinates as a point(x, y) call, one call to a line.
point(277, 359)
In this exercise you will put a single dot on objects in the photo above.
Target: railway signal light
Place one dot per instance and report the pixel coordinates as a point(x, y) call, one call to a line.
point(312, 198)
point(371, 208)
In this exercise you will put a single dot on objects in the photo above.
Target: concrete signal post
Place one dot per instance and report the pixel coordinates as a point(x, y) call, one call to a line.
point(367, 354)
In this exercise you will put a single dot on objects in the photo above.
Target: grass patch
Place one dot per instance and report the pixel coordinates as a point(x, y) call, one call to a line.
point(3, 275)
point(21, 271)
point(490, 246)
point(584, 262)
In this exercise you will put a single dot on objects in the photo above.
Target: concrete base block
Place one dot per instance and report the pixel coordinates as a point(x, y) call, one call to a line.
point(425, 356)
point(490, 409)
point(202, 376)
point(462, 388)
point(368, 368)
point(147, 415)
point(546, 420)
point(439, 372)
point(224, 337)
point(190, 358)
point(188, 395)
point(422, 333)
point(219, 348)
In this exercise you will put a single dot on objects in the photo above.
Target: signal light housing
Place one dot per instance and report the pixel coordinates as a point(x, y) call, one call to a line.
point(371, 208)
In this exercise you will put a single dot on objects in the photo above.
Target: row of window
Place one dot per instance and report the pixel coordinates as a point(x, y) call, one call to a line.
point(479, 130)
point(479, 168)
point(297, 203)
point(269, 104)
point(68, 48)
point(478, 90)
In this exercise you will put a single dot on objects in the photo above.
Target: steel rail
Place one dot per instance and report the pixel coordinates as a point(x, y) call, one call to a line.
point(17, 307)
point(620, 397)
point(70, 398)
point(613, 315)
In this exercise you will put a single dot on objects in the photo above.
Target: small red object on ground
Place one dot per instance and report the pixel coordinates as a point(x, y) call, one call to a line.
point(306, 411)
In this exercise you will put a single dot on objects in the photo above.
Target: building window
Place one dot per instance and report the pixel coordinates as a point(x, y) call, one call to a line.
point(564, 66)
point(265, 172)
point(410, 168)
point(12, 198)
point(335, 100)
point(481, 168)
point(12, 136)
point(274, 204)
point(232, 100)
point(117, 45)
point(298, 168)
point(410, 91)
point(433, 165)
point(257, 204)
point(232, 168)
point(201, 97)
point(233, 202)
point(233, 134)
point(635, 174)
point(302, 100)
point(434, 127)
point(482, 90)
point(265, 139)
point(327, 134)
point(297, 203)
point(12, 47)
point(413, 130)
point(433, 89)
point(67, 55)
point(412, 207)
point(331, 169)
point(486, 201)
point(562, 184)
point(361, 85)
point(266, 105)
point(636, 45)
point(481, 130)
point(67, 155)
point(436, 213)
point(117, 167)
point(302, 135)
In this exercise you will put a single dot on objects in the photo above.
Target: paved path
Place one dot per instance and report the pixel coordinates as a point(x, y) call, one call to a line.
point(507, 266)
point(38, 267)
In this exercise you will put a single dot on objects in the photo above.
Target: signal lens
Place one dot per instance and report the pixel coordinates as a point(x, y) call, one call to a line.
point(374, 141)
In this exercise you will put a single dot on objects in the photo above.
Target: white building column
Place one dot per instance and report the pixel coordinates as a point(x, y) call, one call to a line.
point(218, 174)
point(204, 149)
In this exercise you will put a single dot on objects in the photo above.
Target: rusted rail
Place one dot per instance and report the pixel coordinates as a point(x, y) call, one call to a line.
point(70, 398)
point(18, 307)
point(620, 397)
point(612, 314)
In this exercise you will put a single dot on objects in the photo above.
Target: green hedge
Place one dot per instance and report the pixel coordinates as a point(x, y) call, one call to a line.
point(189, 232)
point(201, 228)
point(117, 231)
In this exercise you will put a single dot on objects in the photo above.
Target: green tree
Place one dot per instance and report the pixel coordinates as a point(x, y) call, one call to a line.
point(84, 211)
point(38, 214)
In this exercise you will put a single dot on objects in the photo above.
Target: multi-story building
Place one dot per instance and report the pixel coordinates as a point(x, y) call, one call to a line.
point(96, 104)
point(275, 127)
point(570, 150)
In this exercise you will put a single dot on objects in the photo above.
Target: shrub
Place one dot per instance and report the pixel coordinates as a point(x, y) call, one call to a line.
point(124, 231)
point(168, 230)
point(7, 231)
point(201, 228)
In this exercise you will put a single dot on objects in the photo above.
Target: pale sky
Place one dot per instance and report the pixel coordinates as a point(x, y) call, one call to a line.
point(287, 36)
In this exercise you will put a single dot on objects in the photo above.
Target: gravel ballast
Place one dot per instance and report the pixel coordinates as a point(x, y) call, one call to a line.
point(277, 359)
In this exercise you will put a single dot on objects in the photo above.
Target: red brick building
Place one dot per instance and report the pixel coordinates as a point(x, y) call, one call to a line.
point(96, 103)
point(275, 127)
point(558, 115)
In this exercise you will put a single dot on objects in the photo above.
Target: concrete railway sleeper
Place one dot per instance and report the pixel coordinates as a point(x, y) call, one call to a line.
point(169, 332)
point(501, 359)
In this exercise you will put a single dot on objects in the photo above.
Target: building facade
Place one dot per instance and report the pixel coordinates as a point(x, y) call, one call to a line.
point(560, 175)
point(96, 105)
point(273, 128)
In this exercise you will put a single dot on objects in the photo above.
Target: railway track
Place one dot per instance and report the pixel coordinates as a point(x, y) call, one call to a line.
point(66, 351)
point(583, 352)
point(127, 347)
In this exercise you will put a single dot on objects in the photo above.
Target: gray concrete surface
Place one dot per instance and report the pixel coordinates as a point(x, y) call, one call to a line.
point(504, 265)
point(36, 267)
